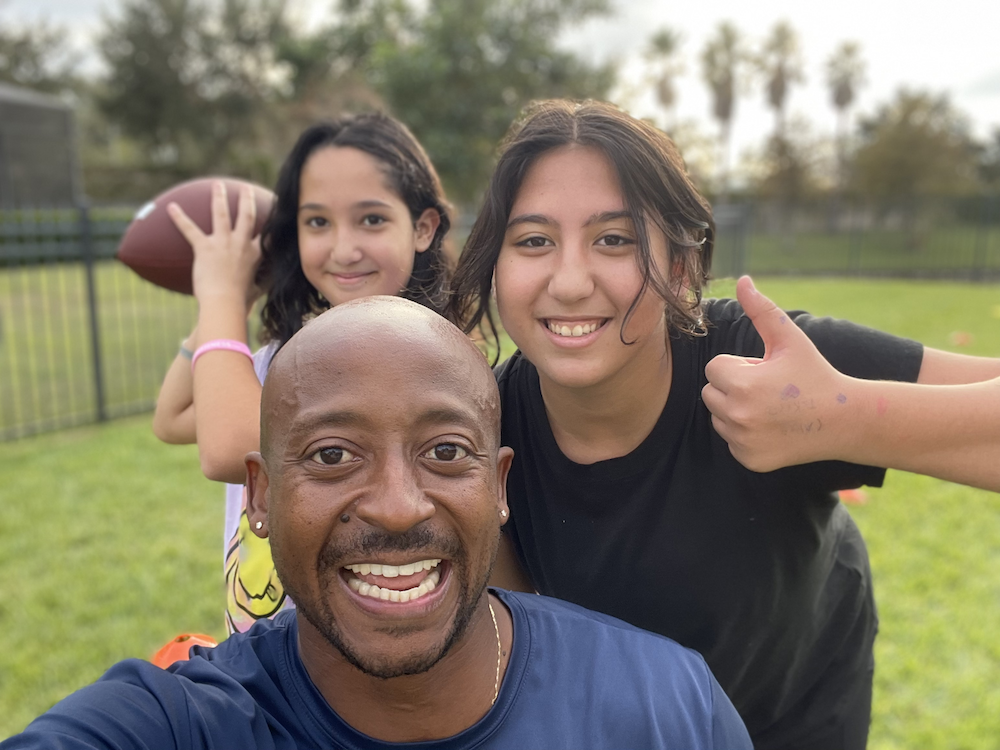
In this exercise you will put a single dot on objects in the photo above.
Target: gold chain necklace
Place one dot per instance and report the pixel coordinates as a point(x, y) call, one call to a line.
point(496, 629)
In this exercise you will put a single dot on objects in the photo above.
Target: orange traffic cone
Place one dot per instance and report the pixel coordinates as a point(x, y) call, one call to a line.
point(179, 649)
point(853, 497)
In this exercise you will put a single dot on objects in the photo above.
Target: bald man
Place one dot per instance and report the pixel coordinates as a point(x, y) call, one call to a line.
point(381, 487)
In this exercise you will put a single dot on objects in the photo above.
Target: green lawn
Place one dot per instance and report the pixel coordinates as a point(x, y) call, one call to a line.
point(931, 312)
point(110, 543)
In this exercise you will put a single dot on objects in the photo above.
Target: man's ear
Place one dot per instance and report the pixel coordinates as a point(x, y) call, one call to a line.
point(425, 227)
point(505, 457)
point(257, 494)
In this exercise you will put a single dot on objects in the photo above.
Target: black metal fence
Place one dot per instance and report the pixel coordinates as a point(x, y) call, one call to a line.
point(953, 238)
point(83, 339)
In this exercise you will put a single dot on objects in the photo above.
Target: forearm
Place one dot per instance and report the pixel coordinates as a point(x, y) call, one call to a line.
point(793, 407)
point(227, 393)
point(173, 419)
point(947, 431)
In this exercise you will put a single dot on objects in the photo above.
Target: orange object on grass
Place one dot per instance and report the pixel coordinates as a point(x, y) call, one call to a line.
point(853, 497)
point(961, 338)
point(179, 649)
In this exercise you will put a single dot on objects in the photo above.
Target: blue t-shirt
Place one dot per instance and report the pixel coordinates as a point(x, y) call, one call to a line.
point(575, 679)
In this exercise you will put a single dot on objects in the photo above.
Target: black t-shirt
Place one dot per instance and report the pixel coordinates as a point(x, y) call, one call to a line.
point(764, 574)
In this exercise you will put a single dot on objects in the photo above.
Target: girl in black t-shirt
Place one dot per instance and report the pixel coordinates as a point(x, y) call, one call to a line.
point(626, 494)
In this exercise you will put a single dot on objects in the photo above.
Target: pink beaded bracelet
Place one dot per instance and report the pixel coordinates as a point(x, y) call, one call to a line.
point(226, 345)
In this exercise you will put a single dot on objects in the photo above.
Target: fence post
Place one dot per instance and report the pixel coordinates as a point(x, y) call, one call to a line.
point(979, 258)
point(741, 262)
point(87, 242)
point(855, 237)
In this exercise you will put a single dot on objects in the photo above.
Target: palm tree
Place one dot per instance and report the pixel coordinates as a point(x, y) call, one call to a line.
point(662, 54)
point(780, 62)
point(845, 73)
point(721, 60)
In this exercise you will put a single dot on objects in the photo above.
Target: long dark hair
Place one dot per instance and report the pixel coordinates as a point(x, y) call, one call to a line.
point(654, 184)
point(290, 296)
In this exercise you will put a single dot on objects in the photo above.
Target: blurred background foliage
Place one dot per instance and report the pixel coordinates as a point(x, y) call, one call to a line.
point(194, 87)
point(190, 87)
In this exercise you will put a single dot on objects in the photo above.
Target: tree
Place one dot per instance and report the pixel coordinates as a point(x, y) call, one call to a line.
point(662, 55)
point(207, 85)
point(916, 145)
point(793, 165)
point(698, 148)
point(190, 80)
point(780, 63)
point(36, 57)
point(457, 72)
point(722, 60)
point(845, 73)
point(989, 162)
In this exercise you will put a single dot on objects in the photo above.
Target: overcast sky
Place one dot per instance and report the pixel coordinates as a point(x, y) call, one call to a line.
point(949, 47)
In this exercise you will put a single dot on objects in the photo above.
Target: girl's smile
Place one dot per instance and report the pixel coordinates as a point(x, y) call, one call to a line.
point(574, 332)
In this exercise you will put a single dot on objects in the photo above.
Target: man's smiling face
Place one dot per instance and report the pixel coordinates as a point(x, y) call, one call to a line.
point(388, 420)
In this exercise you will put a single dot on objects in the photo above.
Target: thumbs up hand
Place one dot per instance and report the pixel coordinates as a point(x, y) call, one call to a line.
point(781, 410)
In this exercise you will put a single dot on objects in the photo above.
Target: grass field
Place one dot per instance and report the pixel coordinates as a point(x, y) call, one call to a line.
point(110, 543)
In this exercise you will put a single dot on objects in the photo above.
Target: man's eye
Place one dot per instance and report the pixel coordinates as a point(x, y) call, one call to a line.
point(446, 452)
point(332, 456)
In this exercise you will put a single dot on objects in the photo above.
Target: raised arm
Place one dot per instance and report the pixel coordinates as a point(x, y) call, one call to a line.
point(173, 420)
point(225, 388)
point(793, 407)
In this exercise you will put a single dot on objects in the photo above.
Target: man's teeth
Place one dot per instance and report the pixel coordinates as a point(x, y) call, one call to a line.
point(393, 571)
point(577, 330)
point(391, 595)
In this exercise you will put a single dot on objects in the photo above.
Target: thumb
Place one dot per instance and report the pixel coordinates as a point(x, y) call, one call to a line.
point(775, 328)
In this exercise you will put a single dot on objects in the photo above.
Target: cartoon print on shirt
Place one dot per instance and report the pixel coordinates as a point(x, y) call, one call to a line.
point(253, 590)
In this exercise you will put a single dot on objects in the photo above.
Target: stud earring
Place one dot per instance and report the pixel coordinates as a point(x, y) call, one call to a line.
point(259, 525)
point(503, 514)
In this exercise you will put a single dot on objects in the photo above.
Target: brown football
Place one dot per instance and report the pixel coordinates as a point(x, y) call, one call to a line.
point(156, 250)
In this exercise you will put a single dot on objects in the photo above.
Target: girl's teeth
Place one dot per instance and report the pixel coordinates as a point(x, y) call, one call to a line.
point(575, 331)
